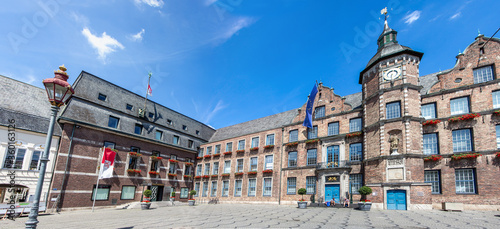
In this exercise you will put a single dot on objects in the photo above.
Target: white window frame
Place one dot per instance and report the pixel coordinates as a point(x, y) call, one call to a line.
point(266, 164)
point(256, 163)
point(264, 186)
point(268, 141)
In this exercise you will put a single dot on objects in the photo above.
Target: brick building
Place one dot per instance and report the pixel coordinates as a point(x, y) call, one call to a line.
point(156, 148)
point(382, 137)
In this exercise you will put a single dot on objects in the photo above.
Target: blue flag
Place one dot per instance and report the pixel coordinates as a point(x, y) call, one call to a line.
point(310, 102)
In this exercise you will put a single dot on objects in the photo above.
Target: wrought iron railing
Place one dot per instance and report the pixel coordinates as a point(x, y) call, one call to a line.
point(334, 164)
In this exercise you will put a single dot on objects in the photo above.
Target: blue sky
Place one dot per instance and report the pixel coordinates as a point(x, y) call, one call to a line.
point(224, 62)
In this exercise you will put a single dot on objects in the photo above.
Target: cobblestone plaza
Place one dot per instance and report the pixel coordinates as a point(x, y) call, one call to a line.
point(261, 216)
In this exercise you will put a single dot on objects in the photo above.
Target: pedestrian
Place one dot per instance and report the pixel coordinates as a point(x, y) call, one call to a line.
point(332, 202)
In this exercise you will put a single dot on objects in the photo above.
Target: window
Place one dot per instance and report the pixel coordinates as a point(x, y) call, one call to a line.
point(253, 164)
point(311, 156)
point(102, 97)
point(225, 188)
point(459, 106)
point(393, 110)
point(35, 160)
point(432, 176)
point(169, 122)
point(252, 187)
point(311, 185)
point(129, 107)
point(14, 161)
point(110, 145)
point(173, 157)
point(270, 139)
point(333, 128)
point(159, 135)
point(292, 159)
point(190, 143)
point(197, 132)
point(483, 74)
point(332, 156)
point(227, 166)
point(128, 192)
point(138, 129)
point(207, 169)
point(498, 136)
point(291, 185)
point(200, 152)
point(198, 169)
point(229, 147)
point(255, 142)
point(151, 115)
point(209, 150)
point(241, 144)
point(355, 125)
point(237, 188)
point(268, 187)
point(172, 168)
point(215, 170)
point(461, 140)
point(431, 144)
point(293, 136)
point(319, 112)
point(154, 163)
point(213, 193)
point(102, 192)
point(135, 149)
point(176, 140)
point(184, 127)
point(217, 149)
point(205, 189)
point(184, 193)
point(189, 170)
point(312, 133)
point(269, 162)
point(113, 122)
point(429, 110)
point(356, 181)
point(239, 165)
point(133, 162)
point(356, 152)
point(465, 181)
point(197, 189)
point(496, 99)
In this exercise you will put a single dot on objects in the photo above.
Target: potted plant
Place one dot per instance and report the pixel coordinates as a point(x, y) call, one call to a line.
point(364, 204)
point(302, 203)
point(191, 201)
point(146, 203)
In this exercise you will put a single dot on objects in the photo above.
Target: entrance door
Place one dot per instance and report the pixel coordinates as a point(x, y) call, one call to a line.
point(396, 200)
point(332, 190)
point(154, 192)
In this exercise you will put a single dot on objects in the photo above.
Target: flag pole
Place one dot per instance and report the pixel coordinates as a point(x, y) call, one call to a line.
point(98, 178)
point(147, 89)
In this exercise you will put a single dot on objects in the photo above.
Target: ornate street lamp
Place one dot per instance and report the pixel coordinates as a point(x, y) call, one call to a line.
point(59, 91)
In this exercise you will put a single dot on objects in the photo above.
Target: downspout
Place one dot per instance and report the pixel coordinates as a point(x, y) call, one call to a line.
point(67, 162)
point(281, 164)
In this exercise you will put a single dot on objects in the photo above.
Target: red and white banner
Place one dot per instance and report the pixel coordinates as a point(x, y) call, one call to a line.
point(150, 91)
point(107, 164)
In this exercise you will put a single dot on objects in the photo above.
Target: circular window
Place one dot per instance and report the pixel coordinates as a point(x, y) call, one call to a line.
point(333, 108)
point(458, 80)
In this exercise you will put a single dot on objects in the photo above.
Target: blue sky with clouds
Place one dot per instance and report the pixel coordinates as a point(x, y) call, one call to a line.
point(224, 62)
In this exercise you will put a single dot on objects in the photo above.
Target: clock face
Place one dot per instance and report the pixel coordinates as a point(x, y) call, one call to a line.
point(392, 74)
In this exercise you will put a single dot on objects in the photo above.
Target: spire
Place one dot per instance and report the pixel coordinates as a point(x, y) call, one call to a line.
point(388, 36)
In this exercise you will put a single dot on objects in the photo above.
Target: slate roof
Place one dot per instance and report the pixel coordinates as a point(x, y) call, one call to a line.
point(254, 126)
point(25, 103)
point(428, 81)
point(354, 100)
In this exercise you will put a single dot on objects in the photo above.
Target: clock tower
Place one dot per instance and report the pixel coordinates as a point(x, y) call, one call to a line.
point(393, 164)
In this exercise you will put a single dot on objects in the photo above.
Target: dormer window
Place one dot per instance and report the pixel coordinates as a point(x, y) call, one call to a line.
point(102, 97)
point(151, 115)
point(129, 107)
point(184, 127)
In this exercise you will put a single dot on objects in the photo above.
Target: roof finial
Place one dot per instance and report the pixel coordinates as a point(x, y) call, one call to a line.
point(478, 32)
point(384, 12)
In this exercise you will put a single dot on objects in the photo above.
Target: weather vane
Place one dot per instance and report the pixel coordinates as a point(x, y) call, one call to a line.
point(384, 12)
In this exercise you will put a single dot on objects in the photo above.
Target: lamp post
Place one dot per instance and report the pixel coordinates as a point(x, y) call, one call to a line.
point(59, 91)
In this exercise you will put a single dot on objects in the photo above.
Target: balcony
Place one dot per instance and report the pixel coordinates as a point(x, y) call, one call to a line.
point(334, 164)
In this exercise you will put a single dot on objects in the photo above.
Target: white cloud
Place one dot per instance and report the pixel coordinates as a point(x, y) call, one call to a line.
point(455, 16)
point(220, 106)
point(104, 45)
point(80, 18)
point(152, 3)
point(138, 36)
point(236, 26)
point(412, 17)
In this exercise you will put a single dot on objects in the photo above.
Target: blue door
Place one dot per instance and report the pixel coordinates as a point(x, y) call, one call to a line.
point(332, 190)
point(396, 200)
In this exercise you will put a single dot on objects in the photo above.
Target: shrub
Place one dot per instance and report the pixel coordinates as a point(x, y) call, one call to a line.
point(365, 190)
point(302, 191)
point(147, 193)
